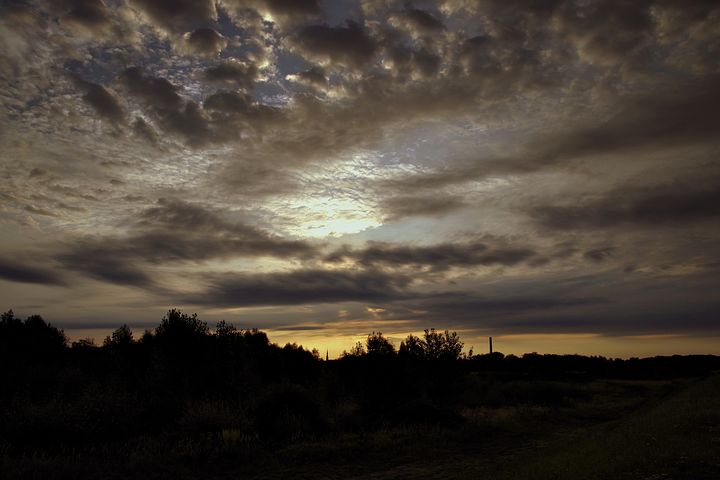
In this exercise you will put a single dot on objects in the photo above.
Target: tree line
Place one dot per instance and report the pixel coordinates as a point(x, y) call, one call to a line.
point(183, 379)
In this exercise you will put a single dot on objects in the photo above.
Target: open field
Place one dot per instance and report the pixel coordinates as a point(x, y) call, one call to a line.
point(610, 429)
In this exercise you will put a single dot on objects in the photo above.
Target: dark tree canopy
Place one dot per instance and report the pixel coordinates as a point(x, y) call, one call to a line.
point(378, 345)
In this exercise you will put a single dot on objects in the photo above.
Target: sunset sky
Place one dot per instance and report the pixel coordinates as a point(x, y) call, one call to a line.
point(545, 172)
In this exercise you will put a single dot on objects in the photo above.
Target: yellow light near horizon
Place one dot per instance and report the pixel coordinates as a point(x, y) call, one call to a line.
point(334, 342)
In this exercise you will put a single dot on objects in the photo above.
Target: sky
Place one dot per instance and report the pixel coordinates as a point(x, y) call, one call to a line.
point(541, 171)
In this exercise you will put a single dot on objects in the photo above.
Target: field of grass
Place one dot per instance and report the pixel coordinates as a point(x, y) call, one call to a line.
point(668, 429)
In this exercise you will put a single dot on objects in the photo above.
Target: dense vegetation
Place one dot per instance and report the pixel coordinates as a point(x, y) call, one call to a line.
point(183, 399)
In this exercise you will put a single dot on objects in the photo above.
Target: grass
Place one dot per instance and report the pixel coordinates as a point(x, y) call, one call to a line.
point(678, 438)
point(647, 430)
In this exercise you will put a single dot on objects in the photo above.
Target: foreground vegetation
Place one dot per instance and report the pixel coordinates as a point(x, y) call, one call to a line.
point(185, 402)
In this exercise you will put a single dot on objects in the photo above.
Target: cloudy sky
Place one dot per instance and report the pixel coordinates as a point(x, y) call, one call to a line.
point(543, 171)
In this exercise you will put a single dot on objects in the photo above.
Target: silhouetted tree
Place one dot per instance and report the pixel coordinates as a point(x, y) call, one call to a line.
point(224, 329)
point(358, 350)
point(121, 337)
point(178, 325)
point(442, 346)
point(378, 345)
point(83, 343)
point(412, 347)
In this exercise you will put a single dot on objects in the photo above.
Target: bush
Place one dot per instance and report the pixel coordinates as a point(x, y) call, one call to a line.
point(287, 412)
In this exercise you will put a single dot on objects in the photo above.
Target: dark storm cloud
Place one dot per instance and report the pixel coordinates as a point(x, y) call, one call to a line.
point(232, 112)
point(190, 122)
point(205, 41)
point(217, 237)
point(659, 120)
point(243, 74)
point(350, 45)
point(404, 62)
point(610, 31)
point(298, 288)
point(437, 257)
point(599, 254)
point(690, 319)
point(175, 114)
point(467, 306)
point(175, 213)
point(101, 260)
point(417, 21)
point(674, 204)
point(286, 7)
point(229, 102)
point(154, 91)
point(171, 232)
point(479, 57)
point(400, 207)
point(92, 15)
point(284, 12)
point(650, 122)
point(177, 16)
point(223, 116)
point(15, 271)
point(105, 103)
point(293, 7)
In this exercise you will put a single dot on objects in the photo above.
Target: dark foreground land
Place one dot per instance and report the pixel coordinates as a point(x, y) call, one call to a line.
point(182, 402)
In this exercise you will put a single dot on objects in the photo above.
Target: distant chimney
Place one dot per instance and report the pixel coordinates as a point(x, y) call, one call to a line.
point(490, 338)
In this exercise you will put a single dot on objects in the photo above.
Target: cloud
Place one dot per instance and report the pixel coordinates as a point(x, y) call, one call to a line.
point(615, 33)
point(297, 288)
point(172, 232)
point(190, 122)
point(100, 260)
point(293, 7)
point(313, 77)
point(14, 271)
point(283, 13)
point(205, 41)
point(647, 122)
point(405, 62)
point(177, 16)
point(289, 8)
point(642, 207)
point(400, 207)
point(467, 306)
point(233, 72)
point(174, 113)
point(599, 254)
point(437, 257)
point(37, 172)
point(349, 46)
point(417, 22)
point(102, 100)
point(154, 91)
point(92, 16)
point(143, 130)
point(229, 102)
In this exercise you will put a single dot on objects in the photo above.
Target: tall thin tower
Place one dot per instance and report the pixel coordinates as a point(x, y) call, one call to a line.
point(490, 339)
